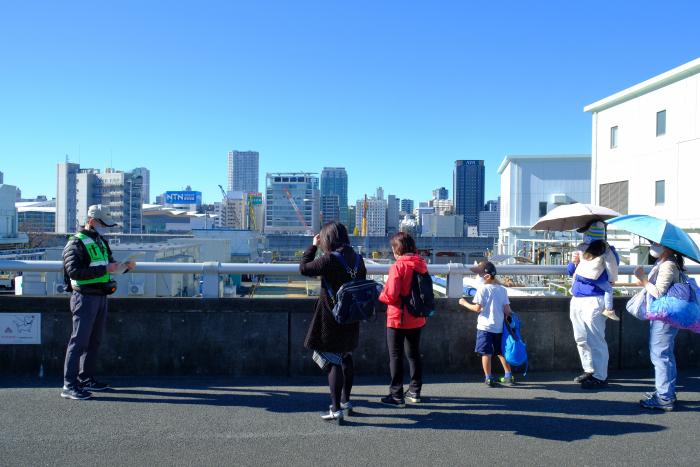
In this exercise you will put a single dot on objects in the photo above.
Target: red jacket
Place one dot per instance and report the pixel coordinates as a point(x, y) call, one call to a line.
point(399, 284)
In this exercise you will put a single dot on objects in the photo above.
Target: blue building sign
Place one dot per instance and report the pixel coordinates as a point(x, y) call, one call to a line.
point(183, 197)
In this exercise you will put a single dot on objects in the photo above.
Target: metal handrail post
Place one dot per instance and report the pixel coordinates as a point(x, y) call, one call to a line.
point(210, 279)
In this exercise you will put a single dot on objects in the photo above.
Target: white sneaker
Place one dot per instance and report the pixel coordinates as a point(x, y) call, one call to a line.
point(333, 416)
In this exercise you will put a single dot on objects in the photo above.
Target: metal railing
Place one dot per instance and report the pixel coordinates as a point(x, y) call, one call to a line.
point(210, 271)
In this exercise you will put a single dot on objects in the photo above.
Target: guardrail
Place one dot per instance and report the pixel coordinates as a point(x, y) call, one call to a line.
point(210, 271)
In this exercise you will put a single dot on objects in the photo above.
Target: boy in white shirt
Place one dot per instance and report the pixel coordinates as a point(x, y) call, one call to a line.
point(492, 304)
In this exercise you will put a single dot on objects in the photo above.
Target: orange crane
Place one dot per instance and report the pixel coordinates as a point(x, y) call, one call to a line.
point(365, 205)
point(300, 216)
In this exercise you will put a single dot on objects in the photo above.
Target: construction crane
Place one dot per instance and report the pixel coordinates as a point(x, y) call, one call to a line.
point(300, 216)
point(223, 192)
point(252, 223)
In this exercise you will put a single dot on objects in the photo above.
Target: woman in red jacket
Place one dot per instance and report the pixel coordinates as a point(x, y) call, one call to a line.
point(402, 328)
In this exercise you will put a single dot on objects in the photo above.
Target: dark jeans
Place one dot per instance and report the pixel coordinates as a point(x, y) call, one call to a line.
point(397, 340)
point(89, 320)
point(340, 381)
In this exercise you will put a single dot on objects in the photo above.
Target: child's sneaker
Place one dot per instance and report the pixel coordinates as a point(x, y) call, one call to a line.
point(509, 381)
point(412, 397)
point(489, 382)
point(391, 400)
point(610, 314)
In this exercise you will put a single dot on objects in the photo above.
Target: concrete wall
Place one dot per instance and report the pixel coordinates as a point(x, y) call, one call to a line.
point(238, 337)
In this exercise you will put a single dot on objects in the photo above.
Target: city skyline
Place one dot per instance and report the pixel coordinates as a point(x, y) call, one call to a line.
point(331, 85)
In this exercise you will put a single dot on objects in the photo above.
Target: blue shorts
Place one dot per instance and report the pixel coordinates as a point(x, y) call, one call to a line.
point(488, 343)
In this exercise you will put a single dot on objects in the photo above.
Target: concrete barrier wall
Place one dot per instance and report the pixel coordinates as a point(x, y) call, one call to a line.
point(187, 336)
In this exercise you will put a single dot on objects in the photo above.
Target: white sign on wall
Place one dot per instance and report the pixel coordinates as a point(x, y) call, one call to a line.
point(20, 328)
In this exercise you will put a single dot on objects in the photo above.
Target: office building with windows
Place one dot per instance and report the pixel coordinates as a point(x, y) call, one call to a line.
point(292, 203)
point(243, 171)
point(407, 206)
point(468, 189)
point(646, 142)
point(334, 182)
point(376, 216)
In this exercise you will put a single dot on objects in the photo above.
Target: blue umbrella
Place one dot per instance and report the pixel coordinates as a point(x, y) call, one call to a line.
point(658, 231)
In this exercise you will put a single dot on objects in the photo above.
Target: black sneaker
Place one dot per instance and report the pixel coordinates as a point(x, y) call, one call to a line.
point(76, 394)
point(582, 377)
point(412, 397)
point(93, 385)
point(391, 400)
point(594, 383)
point(490, 382)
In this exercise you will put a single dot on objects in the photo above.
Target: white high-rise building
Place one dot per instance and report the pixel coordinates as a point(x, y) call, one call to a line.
point(292, 203)
point(376, 216)
point(66, 184)
point(646, 142)
point(243, 173)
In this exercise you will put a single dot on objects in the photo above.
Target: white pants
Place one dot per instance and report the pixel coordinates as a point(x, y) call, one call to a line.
point(589, 332)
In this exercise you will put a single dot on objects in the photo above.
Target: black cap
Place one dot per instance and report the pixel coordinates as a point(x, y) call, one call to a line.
point(484, 267)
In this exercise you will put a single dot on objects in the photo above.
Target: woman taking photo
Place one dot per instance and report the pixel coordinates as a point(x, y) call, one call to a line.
point(331, 342)
point(402, 328)
point(666, 272)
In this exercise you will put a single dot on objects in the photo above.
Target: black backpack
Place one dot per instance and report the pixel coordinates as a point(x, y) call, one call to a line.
point(421, 300)
point(355, 300)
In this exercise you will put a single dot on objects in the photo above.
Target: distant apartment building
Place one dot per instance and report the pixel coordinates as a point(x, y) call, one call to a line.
point(2, 178)
point(435, 225)
point(393, 216)
point(440, 193)
point(293, 203)
point(468, 183)
point(118, 192)
point(334, 182)
point(407, 206)
point(351, 219)
point(442, 206)
point(646, 143)
point(232, 214)
point(490, 219)
point(66, 185)
point(531, 186)
point(243, 171)
point(376, 216)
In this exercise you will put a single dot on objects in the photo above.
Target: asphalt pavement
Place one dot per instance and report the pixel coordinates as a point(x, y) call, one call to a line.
point(544, 420)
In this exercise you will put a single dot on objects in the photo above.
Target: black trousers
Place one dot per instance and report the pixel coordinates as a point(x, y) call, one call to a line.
point(340, 378)
point(397, 341)
point(89, 321)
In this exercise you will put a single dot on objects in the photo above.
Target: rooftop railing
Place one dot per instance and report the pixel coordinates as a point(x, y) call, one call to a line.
point(210, 271)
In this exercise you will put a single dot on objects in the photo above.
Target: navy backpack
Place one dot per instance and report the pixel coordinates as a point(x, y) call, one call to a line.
point(355, 300)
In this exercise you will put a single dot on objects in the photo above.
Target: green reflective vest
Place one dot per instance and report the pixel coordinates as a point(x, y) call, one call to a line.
point(98, 257)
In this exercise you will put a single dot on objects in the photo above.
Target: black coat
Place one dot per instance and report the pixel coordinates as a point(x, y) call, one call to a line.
point(76, 263)
point(325, 334)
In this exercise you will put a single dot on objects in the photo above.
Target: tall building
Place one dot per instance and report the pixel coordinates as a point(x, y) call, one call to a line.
point(351, 219)
point(10, 237)
point(66, 184)
point(376, 216)
point(380, 193)
point(243, 173)
point(145, 175)
point(407, 206)
point(392, 215)
point(646, 142)
point(468, 189)
point(334, 181)
point(440, 193)
point(118, 192)
point(293, 202)
point(2, 178)
point(330, 208)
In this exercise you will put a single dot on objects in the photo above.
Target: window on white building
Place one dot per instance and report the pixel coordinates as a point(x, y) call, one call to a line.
point(660, 197)
point(543, 208)
point(613, 137)
point(661, 123)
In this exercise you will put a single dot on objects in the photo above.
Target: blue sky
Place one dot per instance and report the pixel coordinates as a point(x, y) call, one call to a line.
point(393, 91)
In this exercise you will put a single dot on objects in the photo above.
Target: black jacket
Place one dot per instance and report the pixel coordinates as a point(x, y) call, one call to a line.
point(325, 334)
point(76, 263)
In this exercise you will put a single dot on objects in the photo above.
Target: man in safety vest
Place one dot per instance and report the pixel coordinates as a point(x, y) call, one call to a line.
point(88, 263)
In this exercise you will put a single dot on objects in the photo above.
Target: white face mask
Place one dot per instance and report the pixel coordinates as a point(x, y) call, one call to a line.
point(656, 250)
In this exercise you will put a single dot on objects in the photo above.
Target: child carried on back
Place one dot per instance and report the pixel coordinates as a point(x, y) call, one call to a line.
point(592, 262)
